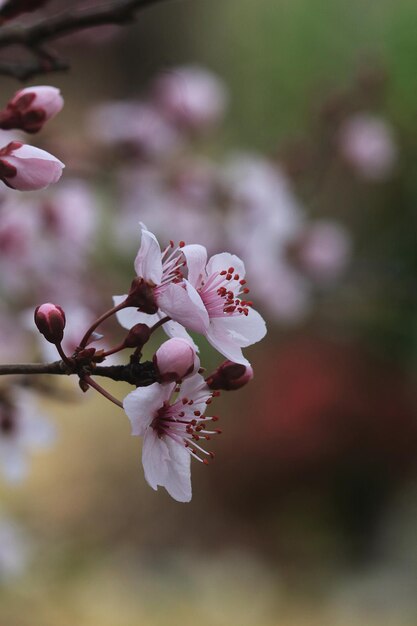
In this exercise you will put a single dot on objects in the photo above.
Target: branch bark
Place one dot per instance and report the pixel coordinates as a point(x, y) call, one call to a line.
point(35, 36)
point(138, 374)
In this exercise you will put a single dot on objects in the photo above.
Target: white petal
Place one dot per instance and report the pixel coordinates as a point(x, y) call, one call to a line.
point(178, 478)
point(245, 329)
point(223, 261)
point(155, 458)
point(148, 262)
point(220, 338)
point(184, 305)
point(173, 329)
point(142, 404)
point(130, 316)
point(196, 257)
point(195, 387)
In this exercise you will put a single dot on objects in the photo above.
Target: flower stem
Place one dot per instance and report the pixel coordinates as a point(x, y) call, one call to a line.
point(101, 390)
point(98, 321)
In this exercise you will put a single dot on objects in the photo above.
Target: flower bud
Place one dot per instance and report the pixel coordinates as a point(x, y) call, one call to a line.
point(141, 295)
point(27, 168)
point(230, 376)
point(137, 336)
point(31, 107)
point(50, 321)
point(175, 360)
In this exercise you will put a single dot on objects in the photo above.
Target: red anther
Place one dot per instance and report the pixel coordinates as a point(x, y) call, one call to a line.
point(245, 312)
point(218, 431)
point(215, 418)
point(236, 276)
point(242, 282)
point(246, 290)
point(197, 413)
point(223, 273)
point(205, 462)
point(215, 394)
point(231, 270)
point(212, 455)
point(190, 402)
point(196, 437)
point(209, 401)
point(193, 422)
point(228, 276)
point(181, 244)
point(184, 400)
point(207, 437)
point(181, 414)
point(194, 451)
point(171, 243)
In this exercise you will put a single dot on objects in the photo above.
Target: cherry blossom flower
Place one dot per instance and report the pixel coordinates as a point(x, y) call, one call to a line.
point(221, 285)
point(31, 107)
point(160, 273)
point(368, 144)
point(171, 421)
point(27, 168)
point(191, 96)
point(22, 430)
point(325, 250)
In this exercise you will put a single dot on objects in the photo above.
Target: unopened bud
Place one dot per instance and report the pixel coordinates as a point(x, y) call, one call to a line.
point(230, 376)
point(141, 296)
point(50, 321)
point(137, 336)
point(31, 107)
point(175, 360)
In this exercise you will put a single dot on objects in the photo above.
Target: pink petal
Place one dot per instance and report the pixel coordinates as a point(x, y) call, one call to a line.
point(220, 338)
point(130, 316)
point(155, 457)
point(245, 330)
point(223, 261)
point(184, 305)
point(148, 262)
point(196, 257)
point(142, 404)
point(178, 479)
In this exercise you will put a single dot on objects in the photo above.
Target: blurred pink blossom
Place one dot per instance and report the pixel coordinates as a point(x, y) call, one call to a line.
point(31, 107)
point(324, 250)
point(367, 142)
point(191, 96)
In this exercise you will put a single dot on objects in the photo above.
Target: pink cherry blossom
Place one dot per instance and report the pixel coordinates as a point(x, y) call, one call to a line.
point(368, 144)
point(191, 96)
point(221, 284)
point(31, 107)
point(325, 249)
point(174, 296)
point(27, 168)
point(175, 359)
point(173, 426)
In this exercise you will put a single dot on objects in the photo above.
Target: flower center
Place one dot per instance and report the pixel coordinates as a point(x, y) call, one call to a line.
point(222, 294)
point(186, 425)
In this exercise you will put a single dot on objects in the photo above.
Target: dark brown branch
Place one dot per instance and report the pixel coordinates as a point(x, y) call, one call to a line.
point(35, 36)
point(139, 374)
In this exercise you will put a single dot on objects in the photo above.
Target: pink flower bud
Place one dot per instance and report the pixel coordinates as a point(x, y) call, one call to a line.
point(50, 321)
point(175, 360)
point(31, 107)
point(137, 336)
point(230, 376)
point(27, 168)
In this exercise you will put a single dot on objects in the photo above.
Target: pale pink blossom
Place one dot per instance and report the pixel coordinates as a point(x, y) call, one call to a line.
point(173, 428)
point(15, 549)
point(160, 273)
point(136, 125)
point(221, 285)
point(31, 107)
point(23, 430)
point(367, 142)
point(191, 96)
point(175, 359)
point(324, 250)
point(27, 168)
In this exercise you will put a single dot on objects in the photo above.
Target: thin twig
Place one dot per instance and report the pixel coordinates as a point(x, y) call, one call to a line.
point(34, 36)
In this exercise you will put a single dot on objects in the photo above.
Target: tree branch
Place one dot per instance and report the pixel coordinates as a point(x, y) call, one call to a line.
point(34, 36)
point(139, 374)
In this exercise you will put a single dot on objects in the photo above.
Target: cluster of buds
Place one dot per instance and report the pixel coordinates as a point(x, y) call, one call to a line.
point(24, 167)
point(178, 289)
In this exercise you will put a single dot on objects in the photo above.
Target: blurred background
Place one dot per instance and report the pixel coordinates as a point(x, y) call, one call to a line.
point(283, 131)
